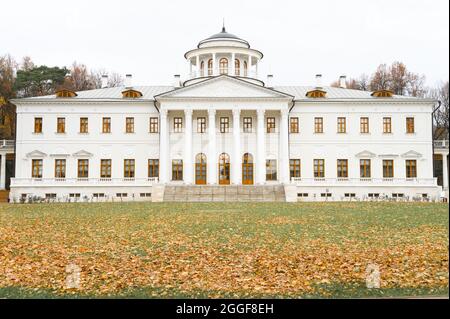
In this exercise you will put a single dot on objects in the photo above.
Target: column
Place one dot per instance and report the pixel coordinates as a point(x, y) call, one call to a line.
point(214, 72)
point(284, 147)
point(163, 147)
point(261, 148)
point(256, 68)
point(444, 171)
point(3, 171)
point(197, 66)
point(213, 159)
point(236, 163)
point(249, 66)
point(233, 65)
point(187, 159)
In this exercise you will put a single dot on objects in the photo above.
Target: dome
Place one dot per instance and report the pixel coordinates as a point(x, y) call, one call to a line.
point(225, 36)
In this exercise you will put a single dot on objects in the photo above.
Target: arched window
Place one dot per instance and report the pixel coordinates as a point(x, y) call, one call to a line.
point(210, 67)
point(245, 68)
point(223, 66)
point(224, 169)
point(202, 68)
point(237, 66)
point(200, 169)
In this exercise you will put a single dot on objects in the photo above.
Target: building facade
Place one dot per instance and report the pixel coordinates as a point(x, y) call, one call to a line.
point(223, 125)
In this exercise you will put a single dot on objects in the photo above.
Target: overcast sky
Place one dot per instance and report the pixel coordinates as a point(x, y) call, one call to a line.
point(298, 38)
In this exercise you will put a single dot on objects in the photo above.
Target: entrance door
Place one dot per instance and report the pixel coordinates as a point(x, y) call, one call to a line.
point(200, 169)
point(247, 169)
point(224, 169)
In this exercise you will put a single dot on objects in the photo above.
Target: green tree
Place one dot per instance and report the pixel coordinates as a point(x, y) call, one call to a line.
point(38, 81)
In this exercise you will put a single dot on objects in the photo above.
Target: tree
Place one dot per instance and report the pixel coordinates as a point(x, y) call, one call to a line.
point(114, 79)
point(8, 67)
point(79, 78)
point(380, 80)
point(39, 81)
point(360, 83)
point(441, 115)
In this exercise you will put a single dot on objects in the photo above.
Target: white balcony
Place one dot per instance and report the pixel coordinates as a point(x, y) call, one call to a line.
point(299, 181)
point(441, 144)
point(7, 144)
point(81, 182)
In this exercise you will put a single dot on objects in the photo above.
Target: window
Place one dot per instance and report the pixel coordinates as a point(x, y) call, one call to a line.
point(154, 125)
point(294, 167)
point(105, 168)
point(318, 125)
point(388, 168)
point(36, 168)
point(201, 124)
point(83, 168)
point(271, 170)
point(128, 168)
point(364, 166)
point(177, 124)
point(60, 168)
point(248, 124)
point(61, 125)
point(342, 168)
point(245, 68)
point(224, 125)
point(319, 168)
point(153, 168)
point(270, 125)
point(106, 125)
point(38, 125)
point(237, 67)
point(364, 125)
point(411, 168)
point(202, 68)
point(223, 66)
point(210, 67)
point(129, 125)
point(341, 125)
point(294, 124)
point(177, 170)
point(387, 125)
point(83, 125)
point(410, 125)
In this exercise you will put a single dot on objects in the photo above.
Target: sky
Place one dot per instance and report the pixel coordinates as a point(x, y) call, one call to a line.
point(298, 38)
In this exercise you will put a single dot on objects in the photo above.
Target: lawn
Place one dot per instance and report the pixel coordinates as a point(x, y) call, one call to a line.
point(247, 250)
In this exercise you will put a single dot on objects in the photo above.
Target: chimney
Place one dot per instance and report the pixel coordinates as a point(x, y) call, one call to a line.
point(342, 82)
point(176, 81)
point(128, 79)
point(104, 81)
point(269, 81)
point(318, 80)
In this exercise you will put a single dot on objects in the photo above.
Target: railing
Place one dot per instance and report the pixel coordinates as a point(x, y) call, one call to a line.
point(83, 181)
point(6, 143)
point(249, 74)
point(364, 181)
point(441, 143)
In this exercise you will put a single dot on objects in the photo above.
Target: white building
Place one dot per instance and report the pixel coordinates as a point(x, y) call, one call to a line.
point(223, 125)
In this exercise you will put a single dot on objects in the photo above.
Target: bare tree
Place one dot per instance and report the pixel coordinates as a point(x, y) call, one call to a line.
point(79, 78)
point(27, 64)
point(114, 79)
point(381, 79)
point(441, 115)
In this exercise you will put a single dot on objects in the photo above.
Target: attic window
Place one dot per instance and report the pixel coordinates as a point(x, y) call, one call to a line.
point(316, 94)
point(382, 93)
point(65, 93)
point(131, 94)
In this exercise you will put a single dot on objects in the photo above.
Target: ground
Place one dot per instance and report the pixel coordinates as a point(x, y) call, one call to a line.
point(165, 250)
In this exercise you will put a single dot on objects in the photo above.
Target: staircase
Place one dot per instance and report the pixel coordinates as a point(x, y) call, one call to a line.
point(228, 193)
point(4, 195)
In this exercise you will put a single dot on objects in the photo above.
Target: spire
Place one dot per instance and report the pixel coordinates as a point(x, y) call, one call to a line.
point(223, 25)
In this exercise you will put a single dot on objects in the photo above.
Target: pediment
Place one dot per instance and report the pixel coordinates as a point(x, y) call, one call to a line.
point(411, 154)
point(224, 87)
point(365, 154)
point(82, 153)
point(36, 154)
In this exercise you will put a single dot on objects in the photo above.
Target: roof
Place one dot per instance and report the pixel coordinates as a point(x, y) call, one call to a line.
point(149, 93)
point(332, 93)
point(223, 35)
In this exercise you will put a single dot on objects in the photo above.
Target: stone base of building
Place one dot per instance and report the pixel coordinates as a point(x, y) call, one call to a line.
point(223, 193)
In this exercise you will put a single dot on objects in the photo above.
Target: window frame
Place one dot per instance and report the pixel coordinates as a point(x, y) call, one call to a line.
point(177, 170)
point(83, 168)
point(295, 167)
point(37, 167)
point(388, 170)
point(223, 66)
point(153, 125)
point(105, 168)
point(129, 125)
point(364, 125)
point(410, 125)
point(365, 168)
point(106, 125)
point(38, 125)
point(411, 170)
point(318, 125)
point(270, 124)
point(319, 168)
point(342, 168)
point(247, 124)
point(201, 124)
point(387, 125)
point(60, 168)
point(178, 124)
point(129, 168)
point(271, 170)
point(152, 167)
point(60, 125)
point(84, 125)
point(224, 124)
point(294, 125)
point(341, 125)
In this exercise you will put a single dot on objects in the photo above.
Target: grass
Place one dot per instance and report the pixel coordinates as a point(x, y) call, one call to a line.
point(249, 250)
